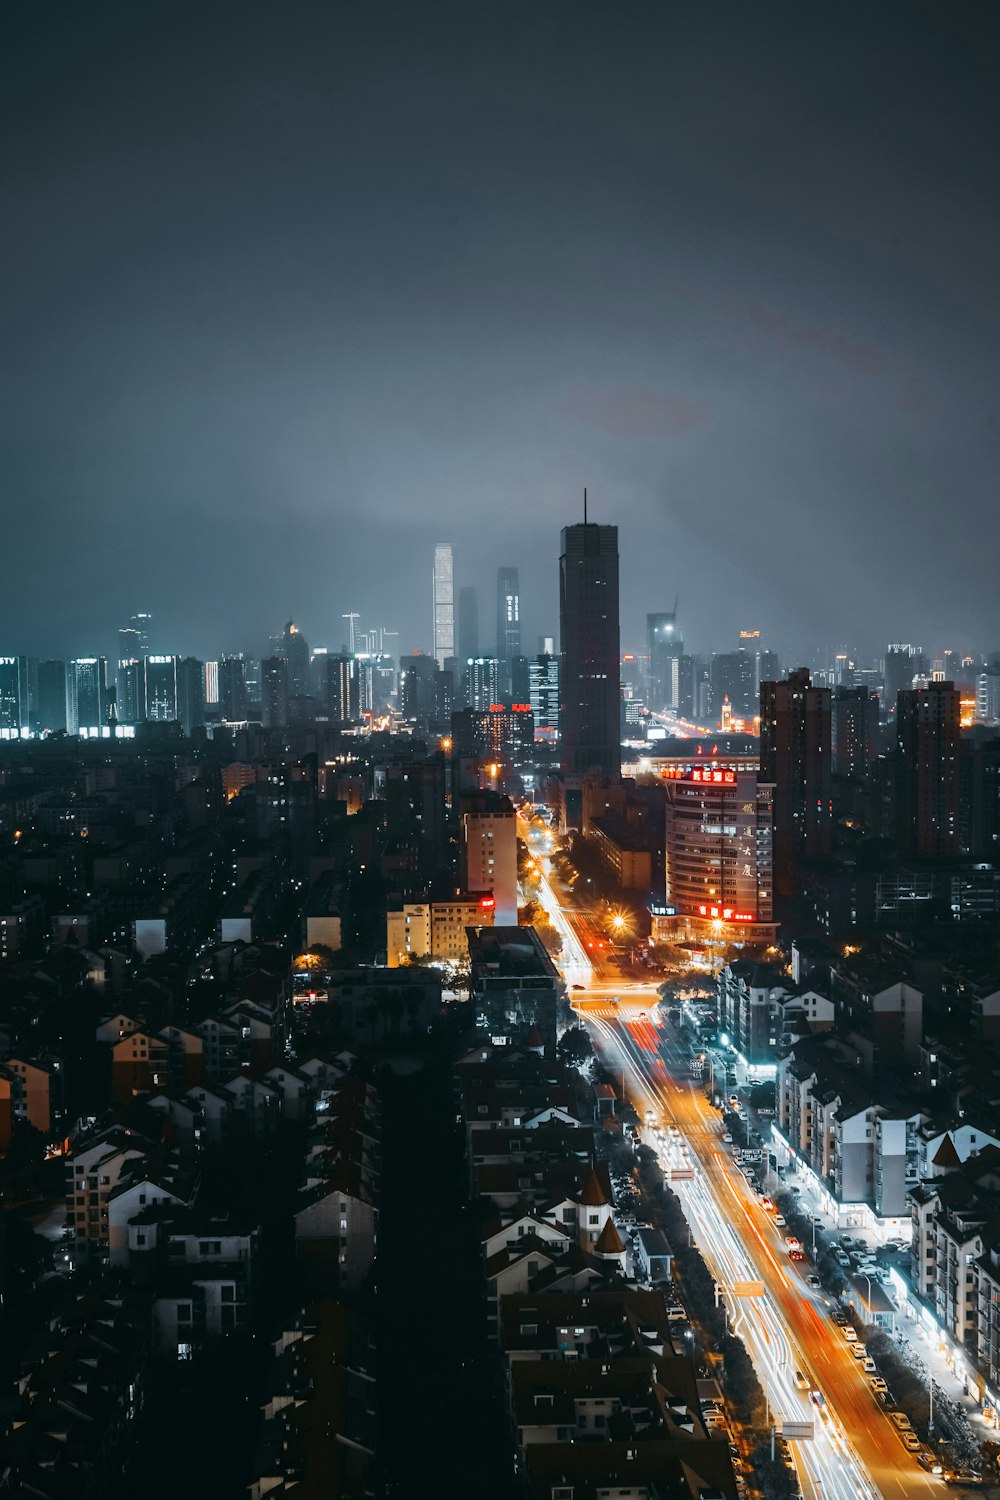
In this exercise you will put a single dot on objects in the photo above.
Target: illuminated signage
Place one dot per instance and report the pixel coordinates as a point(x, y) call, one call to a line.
point(725, 914)
point(704, 776)
point(515, 708)
point(487, 903)
point(749, 635)
point(660, 909)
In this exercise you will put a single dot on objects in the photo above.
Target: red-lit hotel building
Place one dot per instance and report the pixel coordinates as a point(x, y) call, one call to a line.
point(718, 855)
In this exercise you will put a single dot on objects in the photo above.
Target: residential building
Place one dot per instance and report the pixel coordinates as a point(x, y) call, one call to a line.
point(795, 743)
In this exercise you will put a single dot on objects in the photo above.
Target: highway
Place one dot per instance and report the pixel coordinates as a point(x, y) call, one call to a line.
point(856, 1452)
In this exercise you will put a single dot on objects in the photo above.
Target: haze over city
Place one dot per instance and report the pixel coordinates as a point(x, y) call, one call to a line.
point(289, 298)
point(500, 751)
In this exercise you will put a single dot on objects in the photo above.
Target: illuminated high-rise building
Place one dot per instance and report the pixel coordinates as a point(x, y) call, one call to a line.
point(855, 731)
point(664, 647)
point(10, 694)
point(508, 623)
point(131, 700)
point(589, 641)
point(211, 683)
point(482, 682)
point(161, 688)
point(87, 699)
point(718, 851)
point(443, 584)
point(543, 695)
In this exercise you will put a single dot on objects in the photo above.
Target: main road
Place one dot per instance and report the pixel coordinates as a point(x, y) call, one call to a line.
point(856, 1452)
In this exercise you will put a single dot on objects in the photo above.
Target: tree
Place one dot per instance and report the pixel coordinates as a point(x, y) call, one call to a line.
point(574, 1046)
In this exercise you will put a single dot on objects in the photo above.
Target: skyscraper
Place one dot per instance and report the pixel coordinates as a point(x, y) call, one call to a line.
point(133, 638)
point(903, 662)
point(482, 682)
point(734, 676)
point(10, 694)
point(543, 695)
point(295, 650)
point(795, 740)
point(274, 692)
point(161, 688)
point(508, 623)
point(927, 769)
point(590, 646)
point(86, 694)
point(190, 693)
point(444, 603)
point(855, 731)
point(52, 696)
point(233, 695)
point(131, 701)
point(664, 646)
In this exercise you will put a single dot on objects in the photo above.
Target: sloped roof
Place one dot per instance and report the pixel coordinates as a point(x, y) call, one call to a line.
point(946, 1155)
point(592, 1194)
point(609, 1240)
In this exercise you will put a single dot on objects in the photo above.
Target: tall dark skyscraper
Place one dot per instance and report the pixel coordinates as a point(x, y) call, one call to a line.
point(296, 653)
point(508, 623)
point(87, 698)
point(855, 731)
point(274, 692)
point(664, 647)
point(734, 676)
point(52, 695)
point(795, 740)
point(927, 769)
point(591, 650)
point(190, 693)
point(233, 697)
point(902, 663)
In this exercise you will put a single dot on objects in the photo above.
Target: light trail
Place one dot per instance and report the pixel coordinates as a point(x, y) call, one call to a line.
point(827, 1466)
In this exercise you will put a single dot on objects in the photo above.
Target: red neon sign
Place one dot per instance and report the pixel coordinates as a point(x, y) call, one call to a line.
point(487, 903)
point(702, 775)
point(726, 914)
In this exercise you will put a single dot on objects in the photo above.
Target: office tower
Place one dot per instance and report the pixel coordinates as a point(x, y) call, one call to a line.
point(295, 650)
point(212, 683)
point(543, 695)
point(589, 641)
point(520, 679)
point(444, 603)
point(468, 624)
point(274, 692)
point(482, 682)
point(233, 696)
point(927, 779)
point(795, 739)
point(161, 688)
point(27, 684)
point(418, 688)
point(719, 850)
point(335, 686)
point(87, 698)
point(734, 676)
point(131, 701)
point(508, 623)
point(133, 638)
point(902, 664)
point(988, 697)
point(10, 695)
point(190, 693)
point(52, 696)
point(488, 856)
point(855, 731)
point(768, 670)
point(664, 647)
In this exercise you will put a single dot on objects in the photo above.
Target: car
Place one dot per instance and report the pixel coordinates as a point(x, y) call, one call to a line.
point(930, 1461)
point(766, 1204)
point(748, 1173)
point(578, 986)
point(839, 1317)
point(842, 1259)
point(796, 1255)
point(899, 1419)
point(780, 1220)
point(727, 1137)
point(911, 1441)
point(858, 1350)
point(794, 1189)
point(814, 1281)
point(676, 1313)
point(801, 1383)
point(869, 1366)
point(850, 1334)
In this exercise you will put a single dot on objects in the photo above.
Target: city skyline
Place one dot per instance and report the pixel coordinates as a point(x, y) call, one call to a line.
point(750, 367)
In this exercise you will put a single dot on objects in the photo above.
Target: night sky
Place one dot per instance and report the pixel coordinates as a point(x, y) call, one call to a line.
point(292, 291)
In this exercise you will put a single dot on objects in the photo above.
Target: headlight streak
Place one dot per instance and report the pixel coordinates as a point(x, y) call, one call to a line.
point(827, 1467)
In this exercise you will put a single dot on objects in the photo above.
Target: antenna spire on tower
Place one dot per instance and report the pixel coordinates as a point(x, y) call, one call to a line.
point(585, 505)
